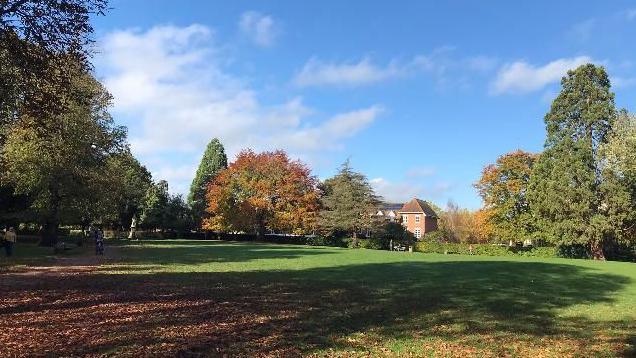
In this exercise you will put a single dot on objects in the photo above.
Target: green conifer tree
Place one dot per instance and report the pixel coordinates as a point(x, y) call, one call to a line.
point(214, 160)
point(349, 202)
point(566, 188)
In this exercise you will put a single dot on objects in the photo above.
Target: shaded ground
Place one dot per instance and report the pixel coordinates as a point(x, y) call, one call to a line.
point(211, 299)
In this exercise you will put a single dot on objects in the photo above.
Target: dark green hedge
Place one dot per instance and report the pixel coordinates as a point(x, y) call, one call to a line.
point(484, 249)
point(371, 243)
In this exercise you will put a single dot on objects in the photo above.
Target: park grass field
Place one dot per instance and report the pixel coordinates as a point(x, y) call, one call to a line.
point(192, 298)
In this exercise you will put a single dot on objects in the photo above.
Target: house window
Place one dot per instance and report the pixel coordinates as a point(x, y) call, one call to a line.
point(418, 233)
point(417, 218)
point(405, 219)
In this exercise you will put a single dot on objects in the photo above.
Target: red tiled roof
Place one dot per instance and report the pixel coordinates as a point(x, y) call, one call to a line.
point(419, 206)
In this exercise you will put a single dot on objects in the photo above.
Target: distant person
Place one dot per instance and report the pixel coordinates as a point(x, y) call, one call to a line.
point(99, 242)
point(10, 238)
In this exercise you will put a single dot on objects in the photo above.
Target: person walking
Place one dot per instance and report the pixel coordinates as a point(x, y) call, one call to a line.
point(99, 242)
point(9, 240)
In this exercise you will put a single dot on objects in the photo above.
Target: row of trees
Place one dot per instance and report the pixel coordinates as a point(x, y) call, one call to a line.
point(268, 192)
point(581, 190)
point(63, 160)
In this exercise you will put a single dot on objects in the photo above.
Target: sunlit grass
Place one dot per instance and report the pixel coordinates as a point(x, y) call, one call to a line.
point(333, 301)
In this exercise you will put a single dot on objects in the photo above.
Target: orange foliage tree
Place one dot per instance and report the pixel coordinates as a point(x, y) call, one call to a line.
point(264, 191)
point(503, 187)
point(484, 229)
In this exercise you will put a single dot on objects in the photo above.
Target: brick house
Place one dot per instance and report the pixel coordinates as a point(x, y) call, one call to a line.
point(418, 217)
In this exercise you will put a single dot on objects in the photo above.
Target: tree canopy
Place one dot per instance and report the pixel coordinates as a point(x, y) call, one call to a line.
point(263, 191)
point(60, 161)
point(503, 188)
point(43, 44)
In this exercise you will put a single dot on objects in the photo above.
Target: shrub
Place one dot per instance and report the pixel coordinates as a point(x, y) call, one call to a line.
point(483, 249)
point(396, 232)
point(376, 243)
point(436, 236)
point(576, 251)
point(315, 240)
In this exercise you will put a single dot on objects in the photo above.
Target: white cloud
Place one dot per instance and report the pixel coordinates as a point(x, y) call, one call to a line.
point(261, 29)
point(400, 192)
point(440, 64)
point(340, 126)
point(481, 63)
point(178, 176)
point(623, 82)
point(421, 172)
point(318, 73)
point(172, 91)
point(522, 77)
point(405, 190)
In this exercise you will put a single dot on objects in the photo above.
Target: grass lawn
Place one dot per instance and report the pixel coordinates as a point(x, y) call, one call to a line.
point(194, 299)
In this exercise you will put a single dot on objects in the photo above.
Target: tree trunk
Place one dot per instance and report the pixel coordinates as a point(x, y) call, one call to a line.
point(260, 231)
point(49, 234)
point(596, 248)
point(51, 223)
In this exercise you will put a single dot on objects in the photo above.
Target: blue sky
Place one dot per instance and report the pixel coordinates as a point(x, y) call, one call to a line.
point(419, 95)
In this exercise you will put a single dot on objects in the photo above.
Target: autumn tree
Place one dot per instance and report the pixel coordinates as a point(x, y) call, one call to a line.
point(214, 160)
point(348, 202)
point(60, 161)
point(567, 192)
point(484, 228)
point(503, 187)
point(458, 224)
point(263, 191)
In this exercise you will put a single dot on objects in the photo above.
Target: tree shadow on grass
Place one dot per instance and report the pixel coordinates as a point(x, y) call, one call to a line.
point(456, 308)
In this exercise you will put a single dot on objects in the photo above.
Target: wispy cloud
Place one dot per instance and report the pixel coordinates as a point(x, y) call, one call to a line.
point(440, 64)
point(623, 82)
point(180, 96)
point(417, 182)
point(421, 172)
point(259, 28)
point(405, 190)
point(522, 77)
point(318, 73)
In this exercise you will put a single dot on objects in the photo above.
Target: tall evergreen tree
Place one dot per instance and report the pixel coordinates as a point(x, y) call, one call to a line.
point(566, 188)
point(348, 202)
point(214, 160)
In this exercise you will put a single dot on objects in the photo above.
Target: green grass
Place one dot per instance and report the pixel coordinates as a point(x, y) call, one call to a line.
point(246, 299)
point(30, 253)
